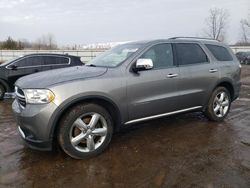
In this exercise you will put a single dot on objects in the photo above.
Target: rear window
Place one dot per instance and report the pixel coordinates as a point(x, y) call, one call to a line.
point(190, 53)
point(219, 52)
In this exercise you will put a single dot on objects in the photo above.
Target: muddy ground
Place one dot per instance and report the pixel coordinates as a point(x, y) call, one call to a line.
point(180, 151)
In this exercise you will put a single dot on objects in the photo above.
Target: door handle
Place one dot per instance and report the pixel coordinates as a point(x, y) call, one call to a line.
point(172, 75)
point(213, 70)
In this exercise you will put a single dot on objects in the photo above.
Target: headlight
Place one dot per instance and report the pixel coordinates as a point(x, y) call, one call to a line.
point(38, 96)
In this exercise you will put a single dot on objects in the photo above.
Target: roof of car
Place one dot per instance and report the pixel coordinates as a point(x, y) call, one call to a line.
point(49, 54)
point(180, 39)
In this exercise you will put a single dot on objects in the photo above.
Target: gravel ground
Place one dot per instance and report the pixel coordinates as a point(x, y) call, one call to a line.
point(180, 151)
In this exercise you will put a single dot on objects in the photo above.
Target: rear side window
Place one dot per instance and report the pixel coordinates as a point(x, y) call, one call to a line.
point(54, 60)
point(30, 61)
point(188, 53)
point(219, 52)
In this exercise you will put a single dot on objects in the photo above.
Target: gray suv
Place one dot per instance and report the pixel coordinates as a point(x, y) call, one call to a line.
point(81, 107)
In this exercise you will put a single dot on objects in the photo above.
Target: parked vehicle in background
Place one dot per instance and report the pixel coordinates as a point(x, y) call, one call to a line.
point(247, 60)
point(130, 83)
point(243, 57)
point(11, 70)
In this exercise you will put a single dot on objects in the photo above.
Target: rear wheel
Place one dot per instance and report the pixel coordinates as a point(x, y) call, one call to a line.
point(85, 131)
point(219, 104)
point(2, 92)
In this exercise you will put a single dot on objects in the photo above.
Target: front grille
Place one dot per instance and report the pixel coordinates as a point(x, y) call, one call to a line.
point(20, 97)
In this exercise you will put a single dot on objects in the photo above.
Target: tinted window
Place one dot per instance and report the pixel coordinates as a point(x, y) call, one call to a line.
point(190, 54)
point(30, 61)
point(54, 60)
point(219, 52)
point(161, 55)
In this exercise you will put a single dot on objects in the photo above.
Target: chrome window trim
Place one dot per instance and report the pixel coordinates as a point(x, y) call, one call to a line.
point(69, 62)
point(162, 115)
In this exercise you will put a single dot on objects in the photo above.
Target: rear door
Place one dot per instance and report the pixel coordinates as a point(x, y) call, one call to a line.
point(153, 92)
point(224, 59)
point(25, 66)
point(198, 75)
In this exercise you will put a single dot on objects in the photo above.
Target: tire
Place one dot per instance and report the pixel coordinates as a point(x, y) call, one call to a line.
point(2, 92)
point(218, 107)
point(90, 122)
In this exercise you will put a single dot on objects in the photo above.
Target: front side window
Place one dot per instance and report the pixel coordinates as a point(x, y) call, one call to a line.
point(161, 55)
point(189, 53)
point(115, 56)
point(219, 52)
point(30, 61)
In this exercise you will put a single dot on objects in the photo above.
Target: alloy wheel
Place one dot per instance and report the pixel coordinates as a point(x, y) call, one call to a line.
point(221, 104)
point(88, 132)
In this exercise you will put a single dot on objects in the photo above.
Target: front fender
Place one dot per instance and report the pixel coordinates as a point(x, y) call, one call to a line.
point(70, 102)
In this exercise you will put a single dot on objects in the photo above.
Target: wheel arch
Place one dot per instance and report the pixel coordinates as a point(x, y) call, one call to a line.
point(228, 85)
point(105, 102)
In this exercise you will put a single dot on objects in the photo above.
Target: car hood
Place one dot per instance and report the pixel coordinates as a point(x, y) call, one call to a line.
point(52, 77)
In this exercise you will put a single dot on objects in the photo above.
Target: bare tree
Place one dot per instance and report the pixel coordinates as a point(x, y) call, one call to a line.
point(246, 22)
point(46, 42)
point(245, 26)
point(244, 33)
point(216, 23)
point(51, 41)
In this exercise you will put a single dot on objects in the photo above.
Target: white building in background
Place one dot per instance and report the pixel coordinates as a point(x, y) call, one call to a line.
point(240, 48)
point(103, 45)
point(107, 45)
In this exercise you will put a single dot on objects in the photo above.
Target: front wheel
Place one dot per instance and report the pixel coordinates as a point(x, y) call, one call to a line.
point(85, 131)
point(2, 92)
point(219, 104)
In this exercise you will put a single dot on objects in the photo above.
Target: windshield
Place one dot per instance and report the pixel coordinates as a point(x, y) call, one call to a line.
point(115, 56)
point(9, 61)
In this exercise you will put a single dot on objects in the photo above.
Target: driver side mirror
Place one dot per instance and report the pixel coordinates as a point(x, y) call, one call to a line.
point(13, 67)
point(143, 64)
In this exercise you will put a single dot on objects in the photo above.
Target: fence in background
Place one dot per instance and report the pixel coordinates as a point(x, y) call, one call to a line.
point(85, 55)
point(240, 48)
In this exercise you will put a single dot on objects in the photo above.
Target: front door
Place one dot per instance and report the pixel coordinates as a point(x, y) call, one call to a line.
point(23, 67)
point(153, 92)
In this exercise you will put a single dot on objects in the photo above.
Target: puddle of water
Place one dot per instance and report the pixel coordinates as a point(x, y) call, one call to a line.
point(243, 99)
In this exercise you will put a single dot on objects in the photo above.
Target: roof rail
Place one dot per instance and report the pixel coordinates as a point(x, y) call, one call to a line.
point(199, 38)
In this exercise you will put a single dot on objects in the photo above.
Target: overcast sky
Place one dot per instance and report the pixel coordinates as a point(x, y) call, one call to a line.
point(91, 21)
